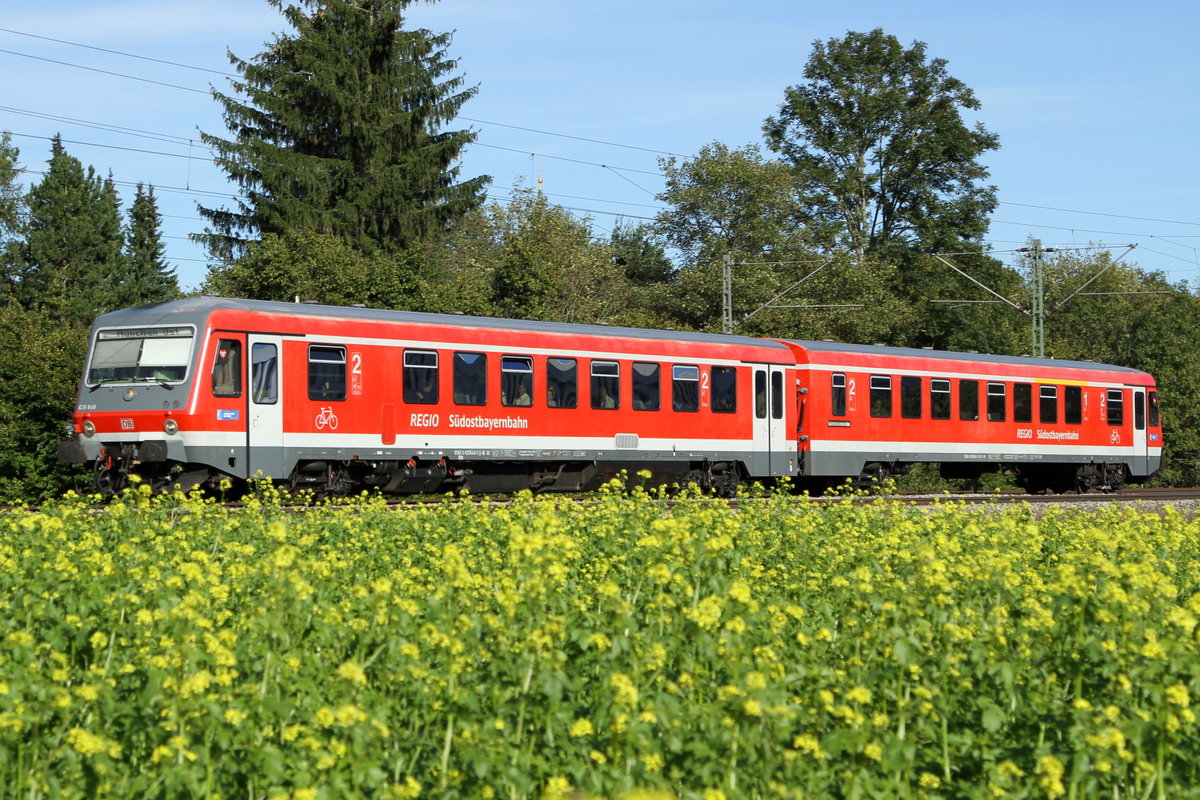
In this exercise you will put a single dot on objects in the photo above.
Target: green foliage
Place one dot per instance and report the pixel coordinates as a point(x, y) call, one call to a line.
point(881, 156)
point(148, 278)
point(40, 364)
point(337, 130)
point(312, 266)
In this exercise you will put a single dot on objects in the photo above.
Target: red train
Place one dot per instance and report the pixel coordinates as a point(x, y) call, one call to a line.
point(337, 399)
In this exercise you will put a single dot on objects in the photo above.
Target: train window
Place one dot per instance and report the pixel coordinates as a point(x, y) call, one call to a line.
point(470, 379)
point(724, 390)
point(881, 396)
point(910, 397)
point(1153, 403)
point(968, 400)
point(1022, 402)
point(647, 392)
point(1072, 405)
point(995, 402)
point(939, 398)
point(130, 354)
point(838, 394)
point(227, 369)
point(1048, 404)
point(562, 383)
point(326, 372)
point(685, 388)
point(420, 376)
point(776, 395)
point(264, 374)
point(1116, 407)
point(516, 380)
point(606, 384)
point(1139, 411)
point(760, 394)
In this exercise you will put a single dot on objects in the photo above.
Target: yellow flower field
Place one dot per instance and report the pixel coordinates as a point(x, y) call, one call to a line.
point(620, 647)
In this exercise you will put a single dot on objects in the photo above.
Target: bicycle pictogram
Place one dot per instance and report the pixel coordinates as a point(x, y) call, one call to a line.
point(326, 417)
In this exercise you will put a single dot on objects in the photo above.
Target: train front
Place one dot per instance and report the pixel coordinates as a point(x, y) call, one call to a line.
point(131, 412)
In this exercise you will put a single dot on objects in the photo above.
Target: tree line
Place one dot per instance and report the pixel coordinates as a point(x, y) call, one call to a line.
point(341, 140)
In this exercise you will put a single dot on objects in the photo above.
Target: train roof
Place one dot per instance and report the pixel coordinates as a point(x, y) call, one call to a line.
point(985, 358)
point(194, 309)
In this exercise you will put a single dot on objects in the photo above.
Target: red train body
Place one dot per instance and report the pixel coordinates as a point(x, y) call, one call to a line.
point(336, 399)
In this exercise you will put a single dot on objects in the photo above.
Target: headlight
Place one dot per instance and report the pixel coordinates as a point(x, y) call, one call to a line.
point(89, 428)
point(171, 427)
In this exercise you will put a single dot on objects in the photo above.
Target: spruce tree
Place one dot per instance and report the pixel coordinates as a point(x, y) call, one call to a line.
point(11, 204)
point(148, 278)
point(337, 129)
point(72, 261)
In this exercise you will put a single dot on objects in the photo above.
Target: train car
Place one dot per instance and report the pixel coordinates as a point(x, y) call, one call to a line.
point(871, 411)
point(192, 392)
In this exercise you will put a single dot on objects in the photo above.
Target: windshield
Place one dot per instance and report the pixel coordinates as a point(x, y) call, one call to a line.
point(140, 354)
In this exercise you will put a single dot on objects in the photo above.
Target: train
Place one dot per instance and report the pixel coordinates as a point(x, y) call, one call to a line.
point(199, 391)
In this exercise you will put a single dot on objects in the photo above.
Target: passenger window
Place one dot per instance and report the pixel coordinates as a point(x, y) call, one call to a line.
point(685, 388)
point(516, 380)
point(1048, 404)
point(606, 384)
point(227, 369)
point(1116, 407)
point(470, 379)
point(1072, 405)
point(264, 374)
point(939, 398)
point(760, 394)
point(968, 400)
point(838, 394)
point(1139, 410)
point(647, 394)
point(1153, 402)
point(562, 383)
point(776, 395)
point(1022, 402)
point(420, 377)
point(724, 390)
point(910, 397)
point(881, 396)
point(326, 372)
point(995, 402)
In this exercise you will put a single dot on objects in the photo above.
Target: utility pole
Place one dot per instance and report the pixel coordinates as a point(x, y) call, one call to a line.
point(727, 295)
point(1037, 304)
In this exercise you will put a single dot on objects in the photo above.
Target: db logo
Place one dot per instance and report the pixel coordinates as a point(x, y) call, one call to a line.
point(1114, 437)
point(126, 424)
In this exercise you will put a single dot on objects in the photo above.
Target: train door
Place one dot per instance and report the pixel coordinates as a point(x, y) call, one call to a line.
point(264, 431)
point(770, 425)
point(1141, 452)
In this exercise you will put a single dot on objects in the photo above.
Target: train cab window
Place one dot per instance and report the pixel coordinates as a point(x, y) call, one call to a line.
point(264, 374)
point(776, 395)
point(995, 402)
point(881, 396)
point(516, 380)
point(1048, 404)
point(420, 377)
point(562, 383)
point(326, 372)
point(837, 394)
point(606, 384)
point(968, 400)
point(470, 379)
point(760, 394)
point(910, 397)
point(1152, 402)
point(685, 387)
point(1022, 402)
point(647, 389)
point(724, 390)
point(1116, 407)
point(1139, 411)
point(939, 398)
point(227, 369)
point(1072, 405)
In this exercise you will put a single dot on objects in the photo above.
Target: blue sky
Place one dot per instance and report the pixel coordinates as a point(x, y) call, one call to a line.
point(1094, 103)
